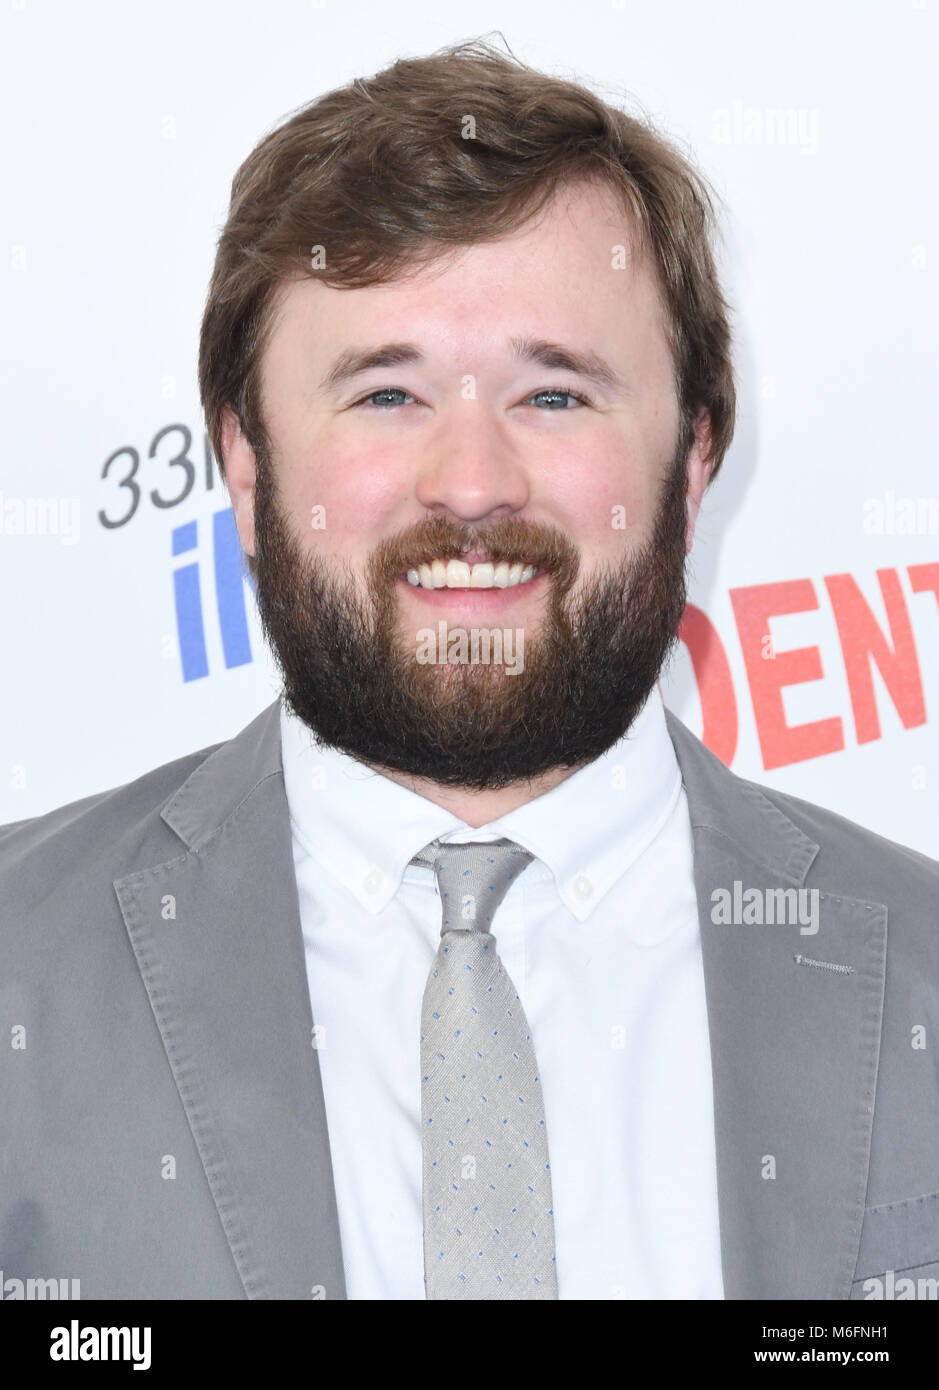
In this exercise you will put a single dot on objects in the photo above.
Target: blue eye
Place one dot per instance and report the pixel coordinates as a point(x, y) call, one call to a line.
point(563, 391)
point(385, 391)
point(400, 391)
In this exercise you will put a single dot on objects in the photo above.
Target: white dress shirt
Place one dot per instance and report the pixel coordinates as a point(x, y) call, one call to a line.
point(600, 937)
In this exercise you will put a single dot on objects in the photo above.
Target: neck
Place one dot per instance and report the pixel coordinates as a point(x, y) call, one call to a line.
point(475, 807)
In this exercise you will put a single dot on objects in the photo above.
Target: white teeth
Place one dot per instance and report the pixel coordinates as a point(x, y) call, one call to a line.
point(457, 574)
point(481, 576)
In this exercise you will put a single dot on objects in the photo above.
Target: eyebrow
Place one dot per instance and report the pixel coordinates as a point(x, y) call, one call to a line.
point(554, 356)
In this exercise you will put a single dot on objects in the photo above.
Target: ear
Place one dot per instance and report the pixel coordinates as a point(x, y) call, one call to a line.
point(699, 471)
point(240, 476)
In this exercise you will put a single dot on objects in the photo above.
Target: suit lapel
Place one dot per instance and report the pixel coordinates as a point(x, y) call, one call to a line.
point(216, 932)
point(794, 1045)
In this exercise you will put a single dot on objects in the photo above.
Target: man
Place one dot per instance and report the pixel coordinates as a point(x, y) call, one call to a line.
point(465, 971)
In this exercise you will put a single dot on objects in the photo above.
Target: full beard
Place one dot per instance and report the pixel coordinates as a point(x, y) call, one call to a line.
point(351, 674)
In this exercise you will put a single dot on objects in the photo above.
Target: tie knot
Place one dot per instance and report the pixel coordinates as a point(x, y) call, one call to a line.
point(472, 879)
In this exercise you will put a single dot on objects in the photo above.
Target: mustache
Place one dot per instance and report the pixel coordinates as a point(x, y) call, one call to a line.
point(442, 538)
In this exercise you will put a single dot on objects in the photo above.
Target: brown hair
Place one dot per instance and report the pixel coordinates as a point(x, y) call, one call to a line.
point(379, 174)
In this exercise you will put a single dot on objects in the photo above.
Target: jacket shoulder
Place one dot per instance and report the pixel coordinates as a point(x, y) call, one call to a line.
point(853, 843)
point(851, 859)
point(110, 820)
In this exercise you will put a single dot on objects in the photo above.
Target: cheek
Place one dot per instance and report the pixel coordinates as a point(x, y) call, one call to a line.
point(344, 494)
point(604, 508)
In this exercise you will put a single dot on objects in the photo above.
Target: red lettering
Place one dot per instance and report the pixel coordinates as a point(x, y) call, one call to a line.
point(924, 579)
point(714, 680)
point(863, 642)
point(781, 743)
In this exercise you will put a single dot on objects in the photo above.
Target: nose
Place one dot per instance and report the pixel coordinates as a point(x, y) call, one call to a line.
point(472, 471)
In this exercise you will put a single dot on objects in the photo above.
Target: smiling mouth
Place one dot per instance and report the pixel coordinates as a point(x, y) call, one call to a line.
point(460, 574)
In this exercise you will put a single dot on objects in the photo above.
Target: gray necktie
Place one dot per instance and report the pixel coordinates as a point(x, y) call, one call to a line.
point(488, 1218)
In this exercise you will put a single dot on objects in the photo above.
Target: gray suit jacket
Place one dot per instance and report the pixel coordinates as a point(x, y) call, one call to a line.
point(162, 1126)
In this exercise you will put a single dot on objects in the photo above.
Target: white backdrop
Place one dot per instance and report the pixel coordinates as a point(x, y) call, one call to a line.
point(814, 119)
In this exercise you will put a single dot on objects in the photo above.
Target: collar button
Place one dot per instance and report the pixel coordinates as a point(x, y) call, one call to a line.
point(373, 880)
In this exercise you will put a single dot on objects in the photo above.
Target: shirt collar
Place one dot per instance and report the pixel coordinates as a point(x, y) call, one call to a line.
point(363, 828)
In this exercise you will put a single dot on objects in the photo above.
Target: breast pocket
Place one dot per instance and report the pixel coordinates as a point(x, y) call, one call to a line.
point(899, 1254)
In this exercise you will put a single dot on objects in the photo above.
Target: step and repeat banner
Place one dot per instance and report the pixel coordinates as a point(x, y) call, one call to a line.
point(809, 653)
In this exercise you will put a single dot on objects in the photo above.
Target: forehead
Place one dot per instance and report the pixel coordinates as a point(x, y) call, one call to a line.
point(572, 273)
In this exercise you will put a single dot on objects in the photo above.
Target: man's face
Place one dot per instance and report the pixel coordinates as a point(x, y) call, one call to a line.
point(473, 449)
